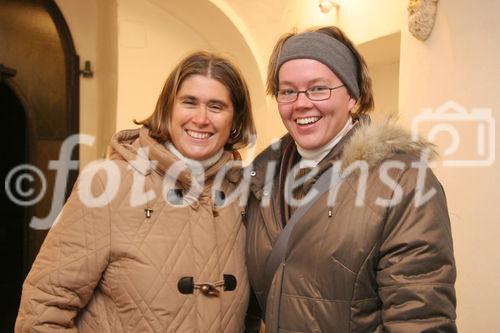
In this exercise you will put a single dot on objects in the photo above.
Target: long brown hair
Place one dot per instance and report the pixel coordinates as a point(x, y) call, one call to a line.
point(364, 103)
point(216, 67)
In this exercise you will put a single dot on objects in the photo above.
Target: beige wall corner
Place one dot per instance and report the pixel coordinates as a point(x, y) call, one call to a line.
point(107, 72)
point(93, 28)
point(455, 71)
point(382, 57)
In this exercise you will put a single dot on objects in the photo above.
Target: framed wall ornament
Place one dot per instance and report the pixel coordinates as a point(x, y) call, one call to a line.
point(421, 17)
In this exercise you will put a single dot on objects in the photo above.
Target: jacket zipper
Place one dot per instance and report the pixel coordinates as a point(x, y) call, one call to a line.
point(281, 293)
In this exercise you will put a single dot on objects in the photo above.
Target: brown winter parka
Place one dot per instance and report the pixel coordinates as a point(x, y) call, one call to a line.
point(376, 258)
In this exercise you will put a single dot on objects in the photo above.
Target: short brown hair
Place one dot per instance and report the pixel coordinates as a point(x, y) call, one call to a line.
point(216, 67)
point(365, 101)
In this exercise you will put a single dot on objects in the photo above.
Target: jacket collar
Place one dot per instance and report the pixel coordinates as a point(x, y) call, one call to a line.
point(260, 181)
point(367, 141)
point(145, 154)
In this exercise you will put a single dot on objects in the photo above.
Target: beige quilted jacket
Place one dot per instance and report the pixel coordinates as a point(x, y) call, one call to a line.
point(114, 269)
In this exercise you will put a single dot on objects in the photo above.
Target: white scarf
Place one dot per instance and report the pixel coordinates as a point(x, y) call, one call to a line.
point(311, 158)
point(196, 167)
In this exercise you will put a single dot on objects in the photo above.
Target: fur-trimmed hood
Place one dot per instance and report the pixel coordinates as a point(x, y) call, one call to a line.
point(372, 142)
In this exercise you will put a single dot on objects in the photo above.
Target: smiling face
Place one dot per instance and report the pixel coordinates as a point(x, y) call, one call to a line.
point(312, 124)
point(201, 118)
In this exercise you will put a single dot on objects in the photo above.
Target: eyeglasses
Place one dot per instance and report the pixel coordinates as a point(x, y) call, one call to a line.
point(317, 93)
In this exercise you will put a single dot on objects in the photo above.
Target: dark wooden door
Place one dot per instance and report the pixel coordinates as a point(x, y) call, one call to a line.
point(39, 98)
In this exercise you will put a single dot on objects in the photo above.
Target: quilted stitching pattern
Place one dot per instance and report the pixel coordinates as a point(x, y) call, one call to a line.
point(111, 269)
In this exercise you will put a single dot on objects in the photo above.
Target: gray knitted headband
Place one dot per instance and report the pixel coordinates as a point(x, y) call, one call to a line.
point(327, 50)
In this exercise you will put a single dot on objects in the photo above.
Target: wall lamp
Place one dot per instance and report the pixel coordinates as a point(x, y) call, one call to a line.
point(326, 5)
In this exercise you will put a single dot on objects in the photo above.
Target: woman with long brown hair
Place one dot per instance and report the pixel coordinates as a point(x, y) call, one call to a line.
point(146, 242)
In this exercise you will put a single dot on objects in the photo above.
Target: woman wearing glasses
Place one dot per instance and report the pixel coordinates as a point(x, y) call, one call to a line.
point(348, 231)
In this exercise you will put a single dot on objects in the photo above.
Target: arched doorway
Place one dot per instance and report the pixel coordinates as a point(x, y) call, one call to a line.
point(12, 231)
point(39, 83)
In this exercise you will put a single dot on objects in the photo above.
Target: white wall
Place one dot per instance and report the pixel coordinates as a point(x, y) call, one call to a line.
point(155, 34)
point(365, 20)
point(460, 62)
point(385, 90)
point(92, 25)
point(265, 21)
point(361, 19)
point(107, 72)
point(151, 42)
point(382, 58)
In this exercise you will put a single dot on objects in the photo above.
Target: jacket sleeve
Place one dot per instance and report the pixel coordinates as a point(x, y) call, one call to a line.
point(416, 268)
point(68, 266)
